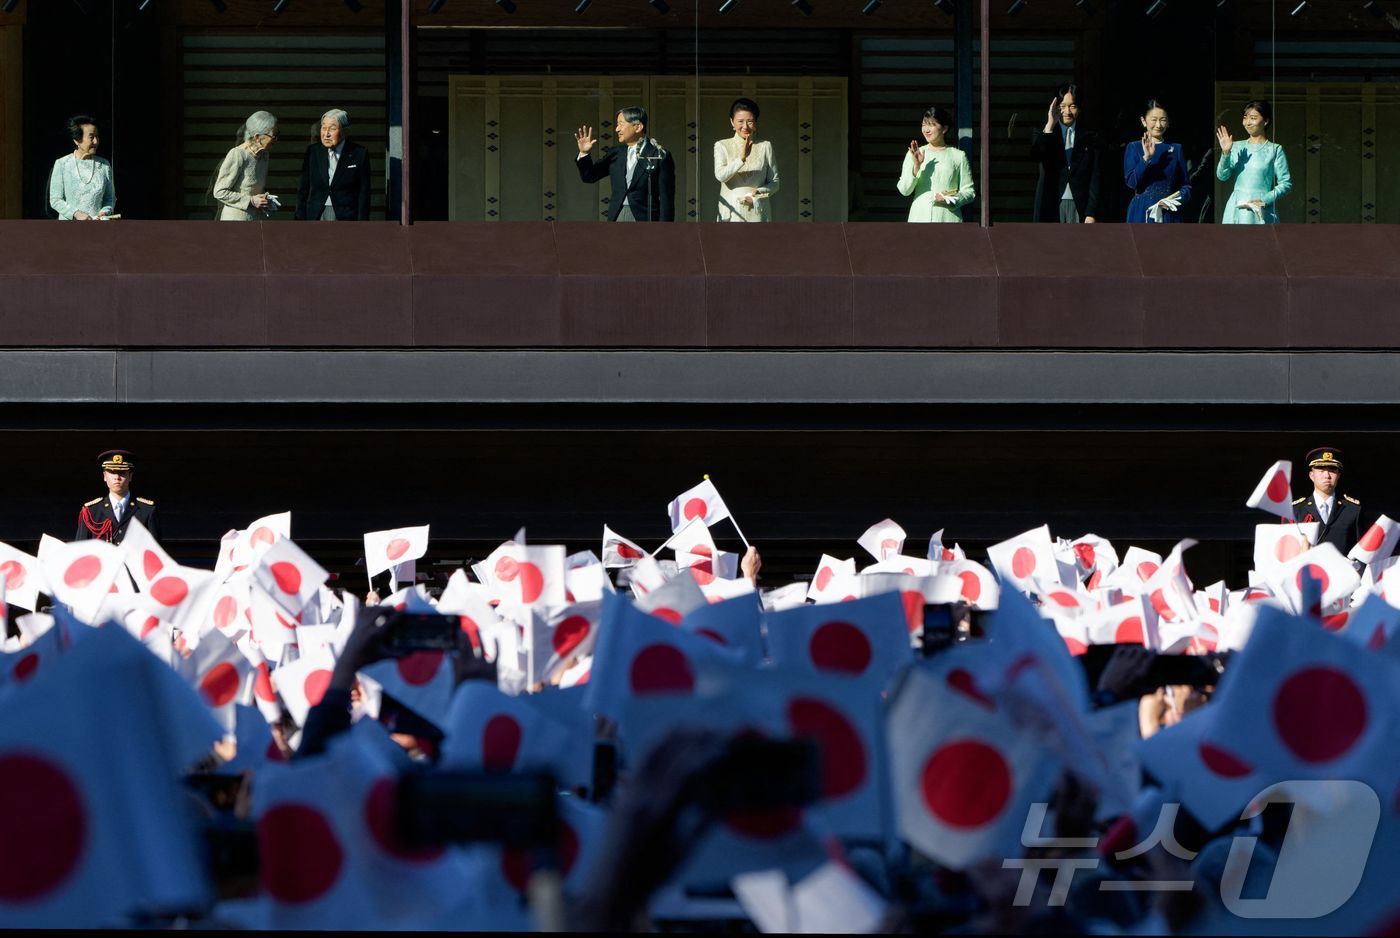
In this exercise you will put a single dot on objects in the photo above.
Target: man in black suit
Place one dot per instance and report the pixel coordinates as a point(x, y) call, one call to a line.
point(1070, 164)
point(1339, 515)
point(642, 172)
point(108, 518)
point(335, 175)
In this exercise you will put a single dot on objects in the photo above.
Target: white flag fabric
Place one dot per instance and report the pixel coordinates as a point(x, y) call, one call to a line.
point(385, 549)
point(1095, 558)
point(1277, 544)
point(145, 558)
point(289, 575)
point(1373, 623)
point(829, 571)
point(964, 776)
point(1274, 493)
point(80, 574)
point(24, 579)
point(979, 588)
point(1334, 575)
point(618, 551)
point(732, 623)
point(1209, 780)
point(865, 639)
point(832, 899)
point(527, 575)
point(699, 503)
point(421, 681)
point(564, 636)
point(217, 670)
point(695, 550)
point(674, 599)
point(1125, 623)
point(1018, 560)
point(489, 731)
point(272, 628)
point(302, 683)
point(182, 596)
point(1378, 543)
point(883, 540)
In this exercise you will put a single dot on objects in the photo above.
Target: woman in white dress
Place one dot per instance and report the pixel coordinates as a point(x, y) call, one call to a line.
point(745, 168)
point(241, 186)
point(81, 186)
point(936, 174)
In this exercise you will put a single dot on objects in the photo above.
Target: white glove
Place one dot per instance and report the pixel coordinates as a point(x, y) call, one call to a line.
point(1171, 204)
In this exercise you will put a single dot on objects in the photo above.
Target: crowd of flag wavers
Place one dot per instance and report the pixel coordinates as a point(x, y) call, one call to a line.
point(1061, 736)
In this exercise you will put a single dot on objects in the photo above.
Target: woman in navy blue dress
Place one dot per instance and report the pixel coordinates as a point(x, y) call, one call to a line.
point(1156, 171)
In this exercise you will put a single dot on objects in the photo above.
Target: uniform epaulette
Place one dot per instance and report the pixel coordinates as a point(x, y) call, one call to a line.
point(145, 501)
point(1350, 499)
point(1299, 501)
point(91, 503)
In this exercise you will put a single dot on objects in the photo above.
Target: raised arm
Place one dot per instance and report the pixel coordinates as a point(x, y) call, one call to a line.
point(908, 176)
point(725, 168)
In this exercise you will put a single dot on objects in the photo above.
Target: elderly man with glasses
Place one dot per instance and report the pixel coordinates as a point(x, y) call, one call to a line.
point(335, 175)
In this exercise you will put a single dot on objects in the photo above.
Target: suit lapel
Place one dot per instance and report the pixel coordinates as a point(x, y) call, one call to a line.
point(639, 170)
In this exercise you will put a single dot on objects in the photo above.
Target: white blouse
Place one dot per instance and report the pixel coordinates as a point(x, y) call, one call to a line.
point(81, 186)
point(738, 177)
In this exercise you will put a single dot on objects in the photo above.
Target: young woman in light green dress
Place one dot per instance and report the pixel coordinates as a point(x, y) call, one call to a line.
point(1257, 166)
point(936, 174)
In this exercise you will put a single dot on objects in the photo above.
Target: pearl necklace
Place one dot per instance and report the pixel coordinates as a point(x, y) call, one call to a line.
point(79, 170)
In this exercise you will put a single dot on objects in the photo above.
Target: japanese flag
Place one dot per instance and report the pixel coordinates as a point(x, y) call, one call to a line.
point(1274, 492)
point(1325, 565)
point(1373, 623)
point(940, 554)
point(231, 610)
point(302, 683)
point(421, 681)
point(1169, 591)
point(979, 588)
point(865, 639)
point(618, 551)
point(564, 636)
point(1020, 559)
point(832, 899)
point(240, 550)
point(964, 776)
point(272, 629)
point(732, 623)
point(527, 575)
point(144, 557)
point(696, 551)
point(385, 549)
point(1214, 598)
point(289, 576)
point(91, 758)
point(883, 540)
point(700, 503)
point(40, 652)
point(217, 670)
point(24, 580)
point(829, 570)
point(587, 583)
point(1061, 601)
point(81, 574)
point(1209, 780)
point(722, 588)
point(1095, 559)
point(1277, 544)
point(1378, 543)
point(182, 596)
point(257, 688)
point(674, 599)
point(1137, 568)
point(1126, 623)
point(489, 731)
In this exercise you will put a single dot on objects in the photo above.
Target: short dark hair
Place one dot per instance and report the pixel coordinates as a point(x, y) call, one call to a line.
point(634, 115)
point(1151, 105)
point(743, 104)
point(76, 124)
point(1068, 88)
point(1263, 107)
point(939, 115)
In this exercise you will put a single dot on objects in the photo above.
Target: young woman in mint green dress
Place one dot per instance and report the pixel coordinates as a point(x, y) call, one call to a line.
point(1257, 166)
point(937, 174)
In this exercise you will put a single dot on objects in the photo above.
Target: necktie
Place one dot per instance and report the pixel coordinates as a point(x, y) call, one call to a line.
point(631, 161)
point(1325, 510)
point(332, 160)
point(117, 511)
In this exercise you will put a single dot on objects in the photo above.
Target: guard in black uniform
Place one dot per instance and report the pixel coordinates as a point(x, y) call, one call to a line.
point(1339, 515)
point(106, 518)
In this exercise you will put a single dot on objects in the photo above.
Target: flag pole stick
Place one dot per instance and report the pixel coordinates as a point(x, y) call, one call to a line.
point(732, 519)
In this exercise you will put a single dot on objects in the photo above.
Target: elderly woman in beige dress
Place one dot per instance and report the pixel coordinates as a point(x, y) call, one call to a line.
point(241, 186)
point(745, 168)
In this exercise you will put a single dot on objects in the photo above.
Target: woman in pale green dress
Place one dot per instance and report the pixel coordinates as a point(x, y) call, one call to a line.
point(1257, 166)
point(241, 185)
point(936, 174)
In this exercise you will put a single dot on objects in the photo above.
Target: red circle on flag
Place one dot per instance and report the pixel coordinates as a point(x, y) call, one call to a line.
point(225, 611)
point(704, 572)
point(667, 614)
point(949, 555)
point(1314, 571)
point(965, 783)
point(13, 573)
point(1336, 622)
point(890, 544)
point(531, 582)
point(1145, 570)
point(1159, 603)
point(962, 681)
point(839, 647)
point(397, 548)
point(1075, 646)
point(1129, 632)
point(25, 667)
point(971, 586)
point(695, 508)
point(263, 535)
point(1085, 553)
point(287, 577)
point(507, 569)
point(568, 634)
point(1287, 548)
point(661, 669)
point(314, 687)
point(1373, 537)
point(517, 866)
point(299, 857)
point(169, 590)
point(500, 742)
point(1223, 762)
point(1319, 713)
point(842, 750)
point(151, 563)
point(1067, 600)
point(382, 816)
point(913, 609)
point(823, 578)
point(419, 667)
point(1023, 563)
point(219, 685)
point(149, 626)
point(628, 552)
point(82, 572)
point(43, 828)
point(1278, 490)
point(262, 684)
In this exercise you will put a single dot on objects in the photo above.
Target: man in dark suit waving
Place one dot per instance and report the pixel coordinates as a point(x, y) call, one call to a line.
point(1070, 170)
point(1339, 515)
point(642, 172)
point(335, 175)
